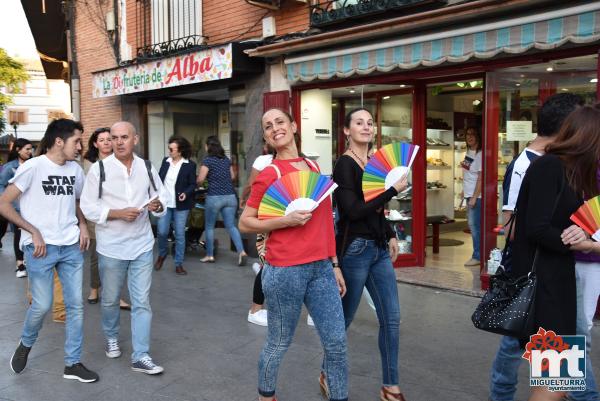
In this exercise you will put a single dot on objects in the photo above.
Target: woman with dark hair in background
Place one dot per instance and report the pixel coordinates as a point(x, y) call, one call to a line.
point(99, 147)
point(178, 174)
point(216, 169)
point(367, 247)
point(19, 154)
point(472, 171)
point(554, 188)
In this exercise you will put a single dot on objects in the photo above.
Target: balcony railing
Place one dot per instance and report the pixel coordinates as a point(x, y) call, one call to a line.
point(330, 12)
point(167, 26)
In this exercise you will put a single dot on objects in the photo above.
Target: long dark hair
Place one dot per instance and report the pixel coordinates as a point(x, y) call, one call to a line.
point(62, 128)
point(19, 144)
point(348, 118)
point(183, 146)
point(578, 146)
point(92, 153)
point(476, 134)
point(214, 147)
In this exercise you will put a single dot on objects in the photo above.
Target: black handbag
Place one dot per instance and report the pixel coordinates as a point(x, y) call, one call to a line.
point(507, 307)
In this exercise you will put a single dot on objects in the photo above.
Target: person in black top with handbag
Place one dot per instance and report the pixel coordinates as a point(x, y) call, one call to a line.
point(178, 175)
point(552, 190)
point(367, 246)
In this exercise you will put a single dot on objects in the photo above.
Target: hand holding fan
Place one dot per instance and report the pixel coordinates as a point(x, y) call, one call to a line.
point(386, 167)
point(588, 217)
point(300, 190)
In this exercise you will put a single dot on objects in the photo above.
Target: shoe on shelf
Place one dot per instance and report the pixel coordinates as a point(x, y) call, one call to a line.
point(112, 349)
point(21, 271)
point(259, 317)
point(242, 259)
point(19, 358)
point(80, 373)
point(323, 385)
point(147, 366)
point(159, 262)
point(309, 321)
point(472, 262)
point(180, 270)
point(256, 268)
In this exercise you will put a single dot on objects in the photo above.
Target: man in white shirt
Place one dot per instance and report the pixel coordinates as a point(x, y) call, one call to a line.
point(54, 235)
point(119, 192)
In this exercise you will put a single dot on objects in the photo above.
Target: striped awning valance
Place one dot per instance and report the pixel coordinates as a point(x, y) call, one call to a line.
point(448, 46)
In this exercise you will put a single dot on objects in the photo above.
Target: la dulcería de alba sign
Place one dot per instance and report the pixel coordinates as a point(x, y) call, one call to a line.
point(200, 66)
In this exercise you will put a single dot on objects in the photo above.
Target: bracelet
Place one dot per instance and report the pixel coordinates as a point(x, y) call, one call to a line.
point(335, 265)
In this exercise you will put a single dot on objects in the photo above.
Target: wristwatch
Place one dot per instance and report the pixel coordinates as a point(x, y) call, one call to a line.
point(335, 265)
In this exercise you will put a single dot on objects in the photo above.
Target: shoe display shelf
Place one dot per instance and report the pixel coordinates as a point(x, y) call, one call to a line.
point(440, 173)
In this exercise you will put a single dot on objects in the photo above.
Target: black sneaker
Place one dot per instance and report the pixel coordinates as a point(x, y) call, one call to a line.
point(19, 358)
point(81, 373)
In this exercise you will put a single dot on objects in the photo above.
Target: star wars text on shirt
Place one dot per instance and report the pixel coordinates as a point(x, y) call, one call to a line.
point(59, 185)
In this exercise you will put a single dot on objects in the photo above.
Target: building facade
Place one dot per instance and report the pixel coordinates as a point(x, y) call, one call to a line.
point(426, 69)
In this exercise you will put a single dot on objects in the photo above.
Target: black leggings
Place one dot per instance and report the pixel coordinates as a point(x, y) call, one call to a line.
point(16, 238)
point(258, 296)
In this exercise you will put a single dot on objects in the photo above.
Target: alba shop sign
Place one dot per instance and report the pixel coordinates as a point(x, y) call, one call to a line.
point(201, 66)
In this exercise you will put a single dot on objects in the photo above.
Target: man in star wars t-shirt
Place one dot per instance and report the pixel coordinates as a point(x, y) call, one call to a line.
point(54, 235)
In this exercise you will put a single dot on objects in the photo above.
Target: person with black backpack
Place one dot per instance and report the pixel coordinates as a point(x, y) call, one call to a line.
point(118, 195)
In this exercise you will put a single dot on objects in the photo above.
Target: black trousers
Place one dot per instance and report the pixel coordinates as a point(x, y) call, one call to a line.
point(16, 238)
point(258, 297)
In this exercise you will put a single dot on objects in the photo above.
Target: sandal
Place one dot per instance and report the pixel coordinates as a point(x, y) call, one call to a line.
point(323, 385)
point(242, 259)
point(208, 259)
point(386, 395)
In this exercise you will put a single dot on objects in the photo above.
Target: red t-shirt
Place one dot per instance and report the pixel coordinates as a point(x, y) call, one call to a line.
point(301, 244)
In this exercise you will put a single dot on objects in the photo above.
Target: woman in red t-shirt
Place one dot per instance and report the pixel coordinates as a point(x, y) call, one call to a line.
point(299, 254)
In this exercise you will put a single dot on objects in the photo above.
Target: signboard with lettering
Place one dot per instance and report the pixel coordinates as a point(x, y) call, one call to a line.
point(519, 131)
point(200, 66)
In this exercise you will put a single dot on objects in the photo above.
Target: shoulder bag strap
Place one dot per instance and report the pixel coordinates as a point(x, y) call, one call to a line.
point(149, 169)
point(101, 179)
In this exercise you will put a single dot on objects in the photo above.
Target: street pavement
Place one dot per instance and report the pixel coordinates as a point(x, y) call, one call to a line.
point(209, 351)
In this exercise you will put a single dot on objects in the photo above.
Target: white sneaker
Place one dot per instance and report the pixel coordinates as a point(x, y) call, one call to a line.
point(256, 268)
point(309, 321)
point(259, 317)
point(21, 272)
point(112, 349)
point(472, 262)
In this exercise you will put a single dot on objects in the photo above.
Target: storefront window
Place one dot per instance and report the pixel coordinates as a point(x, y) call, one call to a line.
point(520, 93)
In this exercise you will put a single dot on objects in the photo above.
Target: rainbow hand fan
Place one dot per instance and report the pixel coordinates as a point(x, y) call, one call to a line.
point(300, 190)
point(386, 167)
point(588, 217)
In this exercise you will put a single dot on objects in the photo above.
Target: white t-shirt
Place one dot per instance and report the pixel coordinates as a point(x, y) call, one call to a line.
point(262, 161)
point(471, 166)
point(48, 200)
point(514, 178)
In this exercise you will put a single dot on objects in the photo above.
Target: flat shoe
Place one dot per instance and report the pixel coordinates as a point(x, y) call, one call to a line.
point(125, 307)
point(207, 259)
point(242, 260)
point(92, 301)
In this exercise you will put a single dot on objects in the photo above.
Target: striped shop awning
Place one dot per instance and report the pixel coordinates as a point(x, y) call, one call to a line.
point(453, 46)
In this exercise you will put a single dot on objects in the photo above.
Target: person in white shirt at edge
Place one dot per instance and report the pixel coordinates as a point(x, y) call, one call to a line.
point(54, 235)
point(124, 240)
point(471, 166)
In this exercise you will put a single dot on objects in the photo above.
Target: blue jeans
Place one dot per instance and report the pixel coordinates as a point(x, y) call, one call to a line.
point(286, 289)
point(366, 264)
point(591, 390)
point(474, 220)
point(179, 219)
point(505, 370)
point(69, 265)
point(504, 376)
point(139, 279)
point(227, 205)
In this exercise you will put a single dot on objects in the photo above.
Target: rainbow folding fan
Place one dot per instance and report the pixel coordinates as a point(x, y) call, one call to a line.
point(300, 190)
point(386, 167)
point(588, 217)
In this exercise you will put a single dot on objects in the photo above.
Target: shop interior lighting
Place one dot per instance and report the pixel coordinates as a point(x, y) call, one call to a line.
point(549, 69)
point(518, 84)
point(403, 86)
point(352, 91)
point(565, 89)
point(386, 97)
